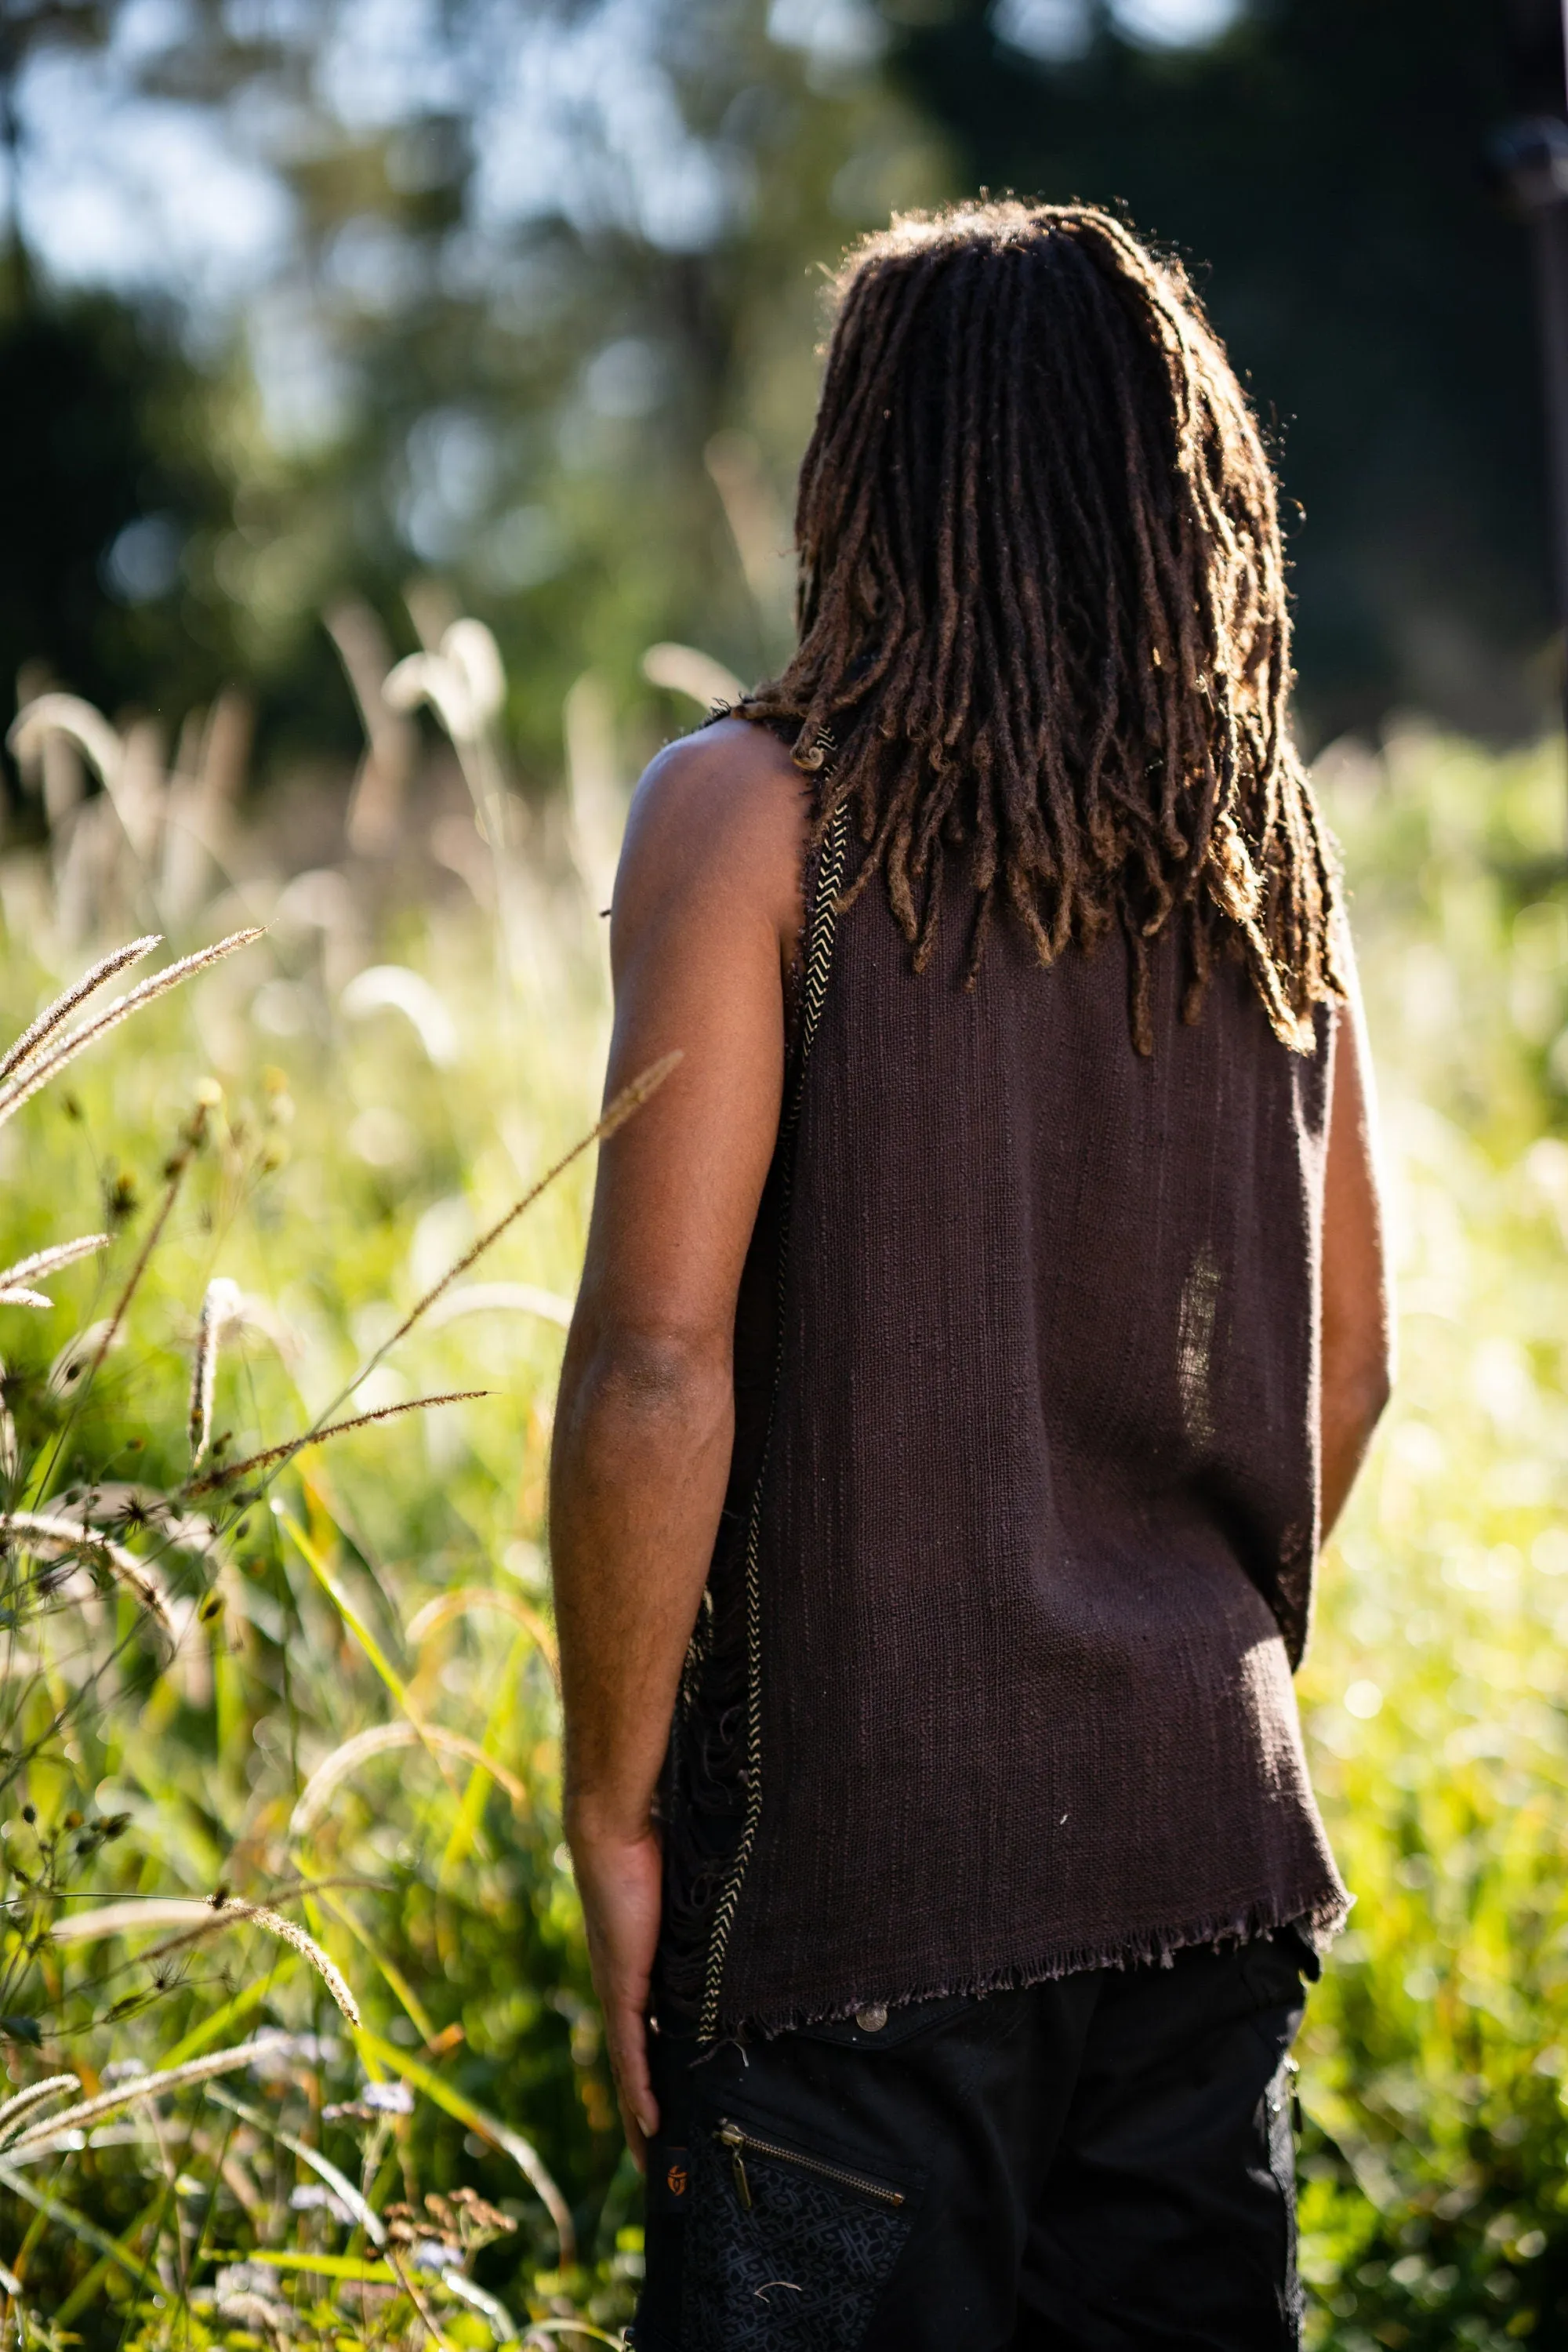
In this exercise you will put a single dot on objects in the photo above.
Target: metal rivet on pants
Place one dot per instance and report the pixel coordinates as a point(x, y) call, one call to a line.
point(872, 2018)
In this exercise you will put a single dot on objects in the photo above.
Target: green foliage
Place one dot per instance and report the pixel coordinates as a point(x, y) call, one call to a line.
point(330, 1186)
point(387, 1588)
point(528, 404)
point(1436, 1695)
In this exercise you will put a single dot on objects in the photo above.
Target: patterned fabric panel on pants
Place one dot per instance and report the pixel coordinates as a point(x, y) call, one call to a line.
point(800, 2272)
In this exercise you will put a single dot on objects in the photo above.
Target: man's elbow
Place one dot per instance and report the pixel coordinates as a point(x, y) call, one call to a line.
point(650, 1374)
point(1382, 1369)
point(1377, 1389)
point(1357, 1361)
point(1359, 1393)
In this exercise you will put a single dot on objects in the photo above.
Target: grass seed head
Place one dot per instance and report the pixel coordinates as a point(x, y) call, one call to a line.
point(53, 1017)
point(51, 1536)
point(222, 1307)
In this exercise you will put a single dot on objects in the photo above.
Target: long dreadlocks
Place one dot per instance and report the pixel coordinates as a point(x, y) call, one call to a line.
point(1042, 607)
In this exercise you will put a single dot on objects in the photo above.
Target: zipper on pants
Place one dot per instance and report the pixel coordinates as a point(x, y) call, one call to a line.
point(742, 2143)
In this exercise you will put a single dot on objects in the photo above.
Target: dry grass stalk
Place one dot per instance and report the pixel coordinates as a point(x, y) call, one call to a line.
point(376, 1741)
point(630, 1100)
point(522, 2152)
point(248, 2309)
point(55, 1015)
point(417, 2300)
point(42, 2137)
point(36, 2094)
point(112, 1322)
point(14, 1280)
point(541, 2330)
point(53, 1538)
point(469, 1597)
point(137, 1913)
point(375, 806)
point(202, 1919)
point(39, 1069)
point(491, 2308)
point(275, 1454)
point(681, 669)
point(500, 1297)
point(48, 1261)
point(54, 713)
point(222, 1307)
point(73, 1359)
point(369, 2220)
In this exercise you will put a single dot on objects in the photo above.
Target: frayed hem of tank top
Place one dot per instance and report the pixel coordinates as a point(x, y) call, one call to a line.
point(1319, 1920)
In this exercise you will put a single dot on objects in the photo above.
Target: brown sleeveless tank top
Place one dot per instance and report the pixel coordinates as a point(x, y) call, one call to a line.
point(992, 1677)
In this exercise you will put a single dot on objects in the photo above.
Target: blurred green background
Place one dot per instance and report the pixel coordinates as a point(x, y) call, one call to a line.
point(398, 411)
point(301, 300)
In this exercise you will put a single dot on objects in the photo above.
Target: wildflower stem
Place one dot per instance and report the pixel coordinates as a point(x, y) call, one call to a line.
point(110, 1331)
point(630, 1100)
point(275, 1456)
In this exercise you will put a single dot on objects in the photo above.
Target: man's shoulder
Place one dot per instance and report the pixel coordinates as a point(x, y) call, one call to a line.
point(721, 775)
point(725, 805)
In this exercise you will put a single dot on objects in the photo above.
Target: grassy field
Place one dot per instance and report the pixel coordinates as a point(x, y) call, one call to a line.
point(347, 1716)
point(1435, 1693)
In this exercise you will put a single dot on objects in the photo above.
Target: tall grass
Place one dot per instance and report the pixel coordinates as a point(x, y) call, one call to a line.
point(292, 1967)
point(286, 1909)
point(1436, 1695)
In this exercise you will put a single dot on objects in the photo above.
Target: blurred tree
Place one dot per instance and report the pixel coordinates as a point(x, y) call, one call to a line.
point(108, 482)
point(541, 327)
point(545, 323)
point(111, 494)
point(25, 27)
point(1319, 162)
point(542, 321)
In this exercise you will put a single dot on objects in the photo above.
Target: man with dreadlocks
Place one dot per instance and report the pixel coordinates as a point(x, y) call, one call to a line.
point(979, 1330)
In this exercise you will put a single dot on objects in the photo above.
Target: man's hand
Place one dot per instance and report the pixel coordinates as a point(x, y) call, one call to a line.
point(618, 1880)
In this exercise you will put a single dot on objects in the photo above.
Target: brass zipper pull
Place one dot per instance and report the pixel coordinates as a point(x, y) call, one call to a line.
point(731, 2136)
point(734, 2139)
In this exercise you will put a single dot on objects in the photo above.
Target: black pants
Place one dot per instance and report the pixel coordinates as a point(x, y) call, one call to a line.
point(1104, 2163)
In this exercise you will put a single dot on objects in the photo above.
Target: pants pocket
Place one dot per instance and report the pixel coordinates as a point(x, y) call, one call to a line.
point(786, 2250)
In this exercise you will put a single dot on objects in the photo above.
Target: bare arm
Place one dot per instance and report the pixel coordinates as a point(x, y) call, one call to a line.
point(705, 917)
point(1357, 1332)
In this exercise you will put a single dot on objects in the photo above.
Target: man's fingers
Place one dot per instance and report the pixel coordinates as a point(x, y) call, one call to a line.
point(629, 2056)
point(619, 1883)
point(636, 2122)
point(636, 2140)
point(628, 2060)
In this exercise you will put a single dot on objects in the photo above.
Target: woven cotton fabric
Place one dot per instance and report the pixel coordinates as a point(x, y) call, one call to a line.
point(1037, 1436)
